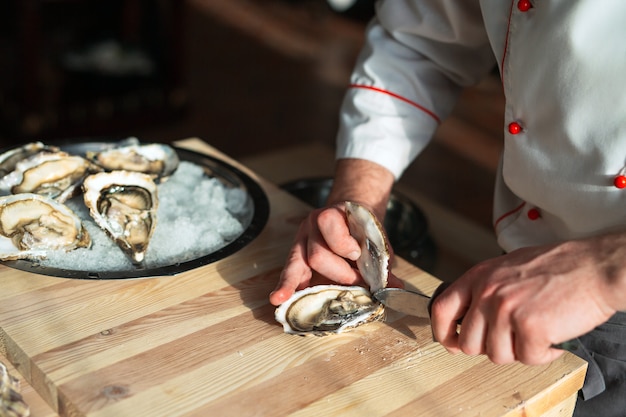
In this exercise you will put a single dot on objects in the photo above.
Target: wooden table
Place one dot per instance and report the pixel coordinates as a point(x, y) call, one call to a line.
point(205, 343)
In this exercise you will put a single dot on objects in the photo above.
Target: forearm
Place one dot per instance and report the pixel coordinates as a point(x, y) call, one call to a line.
point(364, 182)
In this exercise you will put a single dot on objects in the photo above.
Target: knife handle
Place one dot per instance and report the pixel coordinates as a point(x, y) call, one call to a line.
point(570, 345)
point(440, 289)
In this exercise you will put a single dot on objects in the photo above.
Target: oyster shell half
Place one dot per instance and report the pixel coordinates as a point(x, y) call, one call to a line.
point(373, 264)
point(31, 225)
point(10, 158)
point(326, 309)
point(124, 204)
point(156, 159)
point(53, 174)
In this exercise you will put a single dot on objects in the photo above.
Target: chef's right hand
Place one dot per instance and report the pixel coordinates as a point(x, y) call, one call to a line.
point(323, 244)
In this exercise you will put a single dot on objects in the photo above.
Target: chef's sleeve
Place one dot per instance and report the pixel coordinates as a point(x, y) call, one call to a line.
point(417, 57)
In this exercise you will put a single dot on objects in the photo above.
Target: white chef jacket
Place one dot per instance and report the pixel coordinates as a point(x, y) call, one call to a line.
point(563, 68)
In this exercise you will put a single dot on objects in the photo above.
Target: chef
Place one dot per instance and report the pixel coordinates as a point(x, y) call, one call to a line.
point(560, 197)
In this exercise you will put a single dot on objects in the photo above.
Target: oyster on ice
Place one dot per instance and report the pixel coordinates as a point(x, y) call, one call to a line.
point(327, 309)
point(10, 158)
point(124, 204)
point(155, 159)
point(53, 174)
point(31, 225)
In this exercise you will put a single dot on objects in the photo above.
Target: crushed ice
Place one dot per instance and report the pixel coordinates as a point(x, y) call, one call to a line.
point(197, 215)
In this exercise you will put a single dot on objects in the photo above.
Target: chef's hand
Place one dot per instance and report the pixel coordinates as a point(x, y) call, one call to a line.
point(515, 307)
point(323, 243)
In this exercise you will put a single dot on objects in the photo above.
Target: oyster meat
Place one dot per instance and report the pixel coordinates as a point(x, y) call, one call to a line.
point(124, 204)
point(10, 158)
point(155, 159)
point(31, 225)
point(54, 174)
point(327, 309)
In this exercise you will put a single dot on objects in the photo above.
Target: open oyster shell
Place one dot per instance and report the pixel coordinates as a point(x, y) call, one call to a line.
point(31, 225)
point(156, 159)
point(10, 158)
point(373, 264)
point(124, 204)
point(327, 309)
point(54, 174)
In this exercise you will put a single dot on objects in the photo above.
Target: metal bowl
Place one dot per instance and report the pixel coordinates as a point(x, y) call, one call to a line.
point(405, 223)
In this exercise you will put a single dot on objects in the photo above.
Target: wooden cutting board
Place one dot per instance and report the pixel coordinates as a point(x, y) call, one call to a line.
point(205, 343)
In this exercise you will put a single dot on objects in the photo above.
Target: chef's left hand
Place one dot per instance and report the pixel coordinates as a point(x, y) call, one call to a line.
point(515, 307)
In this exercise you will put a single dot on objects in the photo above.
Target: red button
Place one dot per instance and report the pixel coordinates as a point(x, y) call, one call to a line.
point(524, 5)
point(533, 214)
point(620, 181)
point(515, 128)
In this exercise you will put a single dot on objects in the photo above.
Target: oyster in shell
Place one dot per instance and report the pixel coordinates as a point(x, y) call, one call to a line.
point(326, 309)
point(155, 159)
point(31, 225)
point(54, 174)
point(124, 204)
point(10, 158)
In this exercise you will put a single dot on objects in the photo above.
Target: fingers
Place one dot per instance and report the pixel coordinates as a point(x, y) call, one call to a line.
point(500, 342)
point(311, 252)
point(539, 355)
point(492, 322)
point(325, 246)
point(447, 310)
point(335, 233)
point(295, 274)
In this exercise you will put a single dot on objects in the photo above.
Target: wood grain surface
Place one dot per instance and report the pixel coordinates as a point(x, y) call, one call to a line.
point(205, 343)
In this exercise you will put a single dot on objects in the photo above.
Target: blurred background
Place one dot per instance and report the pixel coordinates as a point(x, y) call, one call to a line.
point(268, 72)
point(246, 76)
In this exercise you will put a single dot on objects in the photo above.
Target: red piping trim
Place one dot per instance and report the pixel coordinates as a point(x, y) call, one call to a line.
point(394, 95)
point(507, 214)
point(506, 41)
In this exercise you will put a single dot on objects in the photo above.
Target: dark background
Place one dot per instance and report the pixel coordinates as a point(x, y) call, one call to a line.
point(245, 76)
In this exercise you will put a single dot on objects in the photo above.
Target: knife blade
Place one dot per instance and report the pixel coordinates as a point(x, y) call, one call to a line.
point(405, 301)
point(418, 304)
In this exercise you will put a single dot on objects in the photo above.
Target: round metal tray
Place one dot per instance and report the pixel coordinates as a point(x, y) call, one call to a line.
point(230, 176)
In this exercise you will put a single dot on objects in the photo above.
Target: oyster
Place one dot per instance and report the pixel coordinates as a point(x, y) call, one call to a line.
point(11, 401)
point(10, 158)
point(124, 204)
point(53, 174)
point(373, 264)
point(31, 225)
point(156, 159)
point(326, 309)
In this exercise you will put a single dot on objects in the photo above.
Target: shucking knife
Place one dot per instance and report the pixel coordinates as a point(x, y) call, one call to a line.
point(416, 304)
point(408, 302)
